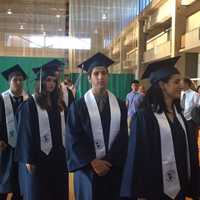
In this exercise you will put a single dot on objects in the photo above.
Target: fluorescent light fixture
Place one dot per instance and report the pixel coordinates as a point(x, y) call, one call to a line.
point(187, 2)
point(42, 27)
point(104, 17)
point(51, 42)
point(9, 12)
point(21, 27)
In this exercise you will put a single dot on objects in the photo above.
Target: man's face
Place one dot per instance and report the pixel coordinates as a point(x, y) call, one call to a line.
point(99, 78)
point(134, 87)
point(16, 83)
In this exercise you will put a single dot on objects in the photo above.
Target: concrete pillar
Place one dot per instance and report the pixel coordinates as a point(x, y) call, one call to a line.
point(141, 49)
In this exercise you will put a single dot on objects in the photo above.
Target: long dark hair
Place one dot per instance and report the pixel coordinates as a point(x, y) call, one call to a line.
point(56, 97)
point(154, 99)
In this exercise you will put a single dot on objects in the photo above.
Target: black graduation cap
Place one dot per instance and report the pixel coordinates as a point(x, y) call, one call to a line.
point(162, 69)
point(14, 69)
point(98, 59)
point(42, 73)
point(48, 68)
point(53, 65)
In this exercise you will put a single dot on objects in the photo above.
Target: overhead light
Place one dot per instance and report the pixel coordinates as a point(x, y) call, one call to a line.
point(21, 27)
point(57, 16)
point(187, 2)
point(60, 29)
point(104, 17)
point(96, 31)
point(9, 12)
point(42, 27)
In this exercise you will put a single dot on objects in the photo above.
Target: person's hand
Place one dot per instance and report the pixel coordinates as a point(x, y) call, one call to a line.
point(3, 145)
point(30, 167)
point(101, 167)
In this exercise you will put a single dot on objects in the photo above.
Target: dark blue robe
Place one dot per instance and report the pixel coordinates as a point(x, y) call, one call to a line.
point(143, 169)
point(81, 151)
point(49, 179)
point(8, 167)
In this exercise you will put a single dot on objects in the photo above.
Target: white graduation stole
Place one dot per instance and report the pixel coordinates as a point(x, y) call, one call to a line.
point(171, 182)
point(96, 124)
point(45, 131)
point(10, 119)
point(65, 94)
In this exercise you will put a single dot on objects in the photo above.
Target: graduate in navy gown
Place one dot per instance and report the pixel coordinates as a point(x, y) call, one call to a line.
point(162, 162)
point(10, 101)
point(40, 144)
point(97, 136)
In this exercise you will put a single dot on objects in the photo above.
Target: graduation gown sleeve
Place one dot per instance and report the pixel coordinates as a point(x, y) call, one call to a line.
point(71, 97)
point(143, 163)
point(28, 144)
point(78, 145)
point(3, 130)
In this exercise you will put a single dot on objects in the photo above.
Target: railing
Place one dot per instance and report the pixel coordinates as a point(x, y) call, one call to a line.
point(192, 38)
point(131, 59)
point(160, 51)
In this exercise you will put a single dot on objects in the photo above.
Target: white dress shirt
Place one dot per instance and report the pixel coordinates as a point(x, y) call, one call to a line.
point(191, 100)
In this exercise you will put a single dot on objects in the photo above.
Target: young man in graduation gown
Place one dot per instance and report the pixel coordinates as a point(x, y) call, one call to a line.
point(96, 136)
point(40, 144)
point(162, 162)
point(10, 101)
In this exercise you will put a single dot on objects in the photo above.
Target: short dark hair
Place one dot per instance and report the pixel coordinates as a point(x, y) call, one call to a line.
point(135, 81)
point(15, 74)
point(91, 69)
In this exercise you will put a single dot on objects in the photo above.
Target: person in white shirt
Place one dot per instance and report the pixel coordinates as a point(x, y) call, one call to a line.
point(189, 98)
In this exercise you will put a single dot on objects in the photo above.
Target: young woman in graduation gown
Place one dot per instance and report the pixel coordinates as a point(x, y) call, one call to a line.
point(40, 144)
point(162, 157)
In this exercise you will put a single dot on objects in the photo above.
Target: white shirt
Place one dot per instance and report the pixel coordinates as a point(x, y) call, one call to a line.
point(192, 99)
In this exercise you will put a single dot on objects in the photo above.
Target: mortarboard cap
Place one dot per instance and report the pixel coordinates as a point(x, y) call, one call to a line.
point(43, 73)
point(53, 65)
point(48, 68)
point(162, 69)
point(135, 81)
point(12, 70)
point(98, 59)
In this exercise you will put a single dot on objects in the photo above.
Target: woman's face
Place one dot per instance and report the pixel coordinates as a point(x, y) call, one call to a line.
point(50, 83)
point(172, 89)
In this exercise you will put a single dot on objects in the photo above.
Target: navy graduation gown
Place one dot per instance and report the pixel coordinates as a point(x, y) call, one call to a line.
point(143, 169)
point(49, 178)
point(70, 96)
point(8, 168)
point(81, 151)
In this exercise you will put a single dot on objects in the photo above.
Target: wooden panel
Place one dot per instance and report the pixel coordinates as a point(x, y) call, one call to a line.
point(192, 39)
point(158, 52)
point(193, 22)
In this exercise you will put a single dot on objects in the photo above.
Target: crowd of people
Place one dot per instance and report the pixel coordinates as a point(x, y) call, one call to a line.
point(144, 148)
